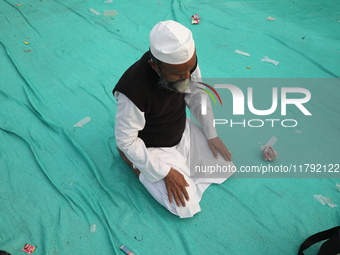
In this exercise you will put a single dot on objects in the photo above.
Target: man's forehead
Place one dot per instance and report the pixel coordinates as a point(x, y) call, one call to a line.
point(181, 68)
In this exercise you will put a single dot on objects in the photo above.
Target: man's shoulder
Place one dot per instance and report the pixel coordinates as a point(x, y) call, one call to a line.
point(137, 75)
point(137, 82)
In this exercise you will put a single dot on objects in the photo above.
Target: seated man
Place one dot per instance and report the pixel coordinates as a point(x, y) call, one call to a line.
point(153, 134)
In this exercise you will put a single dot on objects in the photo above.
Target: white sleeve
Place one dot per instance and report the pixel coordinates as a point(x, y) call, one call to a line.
point(130, 120)
point(194, 99)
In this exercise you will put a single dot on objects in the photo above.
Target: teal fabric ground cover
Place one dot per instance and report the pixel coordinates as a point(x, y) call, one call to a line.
point(59, 181)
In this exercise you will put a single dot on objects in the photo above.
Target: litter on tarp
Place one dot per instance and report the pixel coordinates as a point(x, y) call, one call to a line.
point(325, 201)
point(93, 228)
point(29, 248)
point(108, 1)
point(18, 4)
point(160, 3)
point(27, 43)
point(248, 67)
point(83, 122)
point(268, 152)
point(126, 250)
point(242, 53)
point(298, 131)
point(271, 18)
point(94, 11)
point(337, 185)
point(110, 12)
point(195, 19)
point(266, 59)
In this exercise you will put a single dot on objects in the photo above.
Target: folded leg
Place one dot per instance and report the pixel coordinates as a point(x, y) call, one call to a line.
point(159, 192)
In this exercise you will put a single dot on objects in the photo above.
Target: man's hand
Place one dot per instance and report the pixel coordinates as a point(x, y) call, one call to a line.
point(175, 185)
point(216, 145)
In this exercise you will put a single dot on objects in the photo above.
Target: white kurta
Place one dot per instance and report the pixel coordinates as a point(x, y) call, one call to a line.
point(155, 163)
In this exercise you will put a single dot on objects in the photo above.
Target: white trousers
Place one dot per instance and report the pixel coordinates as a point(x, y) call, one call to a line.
point(193, 150)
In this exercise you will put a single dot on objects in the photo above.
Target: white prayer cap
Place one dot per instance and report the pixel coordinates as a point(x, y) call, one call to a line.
point(171, 42)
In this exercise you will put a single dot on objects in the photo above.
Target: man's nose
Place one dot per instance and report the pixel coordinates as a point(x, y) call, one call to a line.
point(185, 76)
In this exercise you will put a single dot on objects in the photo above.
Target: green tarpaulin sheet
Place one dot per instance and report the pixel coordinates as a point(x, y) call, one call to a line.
point(65, 189)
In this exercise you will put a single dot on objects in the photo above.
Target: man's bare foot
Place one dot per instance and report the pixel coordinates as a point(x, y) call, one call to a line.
point(127, 161)
point(137, 172)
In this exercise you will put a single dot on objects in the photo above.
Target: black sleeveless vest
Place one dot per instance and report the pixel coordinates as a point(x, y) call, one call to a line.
point(163, 109)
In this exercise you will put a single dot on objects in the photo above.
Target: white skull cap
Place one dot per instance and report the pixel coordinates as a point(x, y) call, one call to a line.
point(171, 42)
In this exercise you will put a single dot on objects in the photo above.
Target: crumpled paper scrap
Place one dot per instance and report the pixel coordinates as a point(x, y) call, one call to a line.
point(94, 11)
point(242, 53)
point(110, 12)
point(325, 201)
point(29, 248)
point(337, 185)
point(83, 122)
point(266, 59)
point(195, 19)
point(93, 228)
point(268, 152)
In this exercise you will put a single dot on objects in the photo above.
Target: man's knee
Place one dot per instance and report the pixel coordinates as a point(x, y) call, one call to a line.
point(160, 194)
point(192, 207)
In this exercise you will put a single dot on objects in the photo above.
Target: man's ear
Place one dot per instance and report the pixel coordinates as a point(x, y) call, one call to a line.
point(153, 65)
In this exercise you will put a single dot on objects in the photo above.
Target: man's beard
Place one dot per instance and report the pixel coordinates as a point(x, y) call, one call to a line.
point(178, 86)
